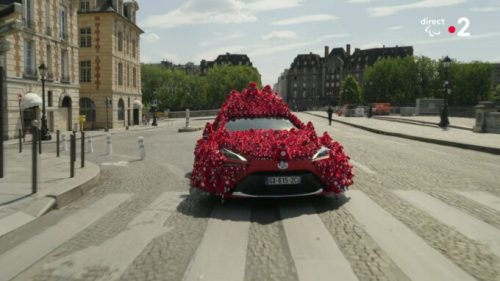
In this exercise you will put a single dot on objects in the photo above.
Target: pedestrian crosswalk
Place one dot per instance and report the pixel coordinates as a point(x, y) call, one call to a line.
point(222, 253)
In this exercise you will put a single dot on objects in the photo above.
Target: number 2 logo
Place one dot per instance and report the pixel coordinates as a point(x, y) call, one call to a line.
point(465, 23)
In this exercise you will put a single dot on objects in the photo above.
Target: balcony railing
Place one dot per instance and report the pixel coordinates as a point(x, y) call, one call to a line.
point(48, 30)
point(28, 23)
point(63, 36)
point(65, 78)
point(30, 73)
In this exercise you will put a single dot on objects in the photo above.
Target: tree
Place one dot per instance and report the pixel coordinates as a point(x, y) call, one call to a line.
point(350, 92)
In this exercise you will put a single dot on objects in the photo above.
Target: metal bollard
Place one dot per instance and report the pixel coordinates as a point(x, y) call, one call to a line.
point(187, 117)
point(90, 144)
point(71, 157)
point(140, 145)
point(109, 145)
point(82, 164)
point(20, 141)
point(39, 142)
point(64, 143)
point(34, 160)
point(57, 143)
point(74, 145)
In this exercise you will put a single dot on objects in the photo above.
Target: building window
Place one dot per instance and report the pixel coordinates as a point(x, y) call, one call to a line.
point(64, 66)
point(120, 73)
point(63, 30)
point(48, 62)
point(133, 48)
point(121, 110)
point(134, 77)
point(86, 37)
point(28, 13)
point(119, 39)
point(50, 98)
point(128, 75)
point(48, 30)
point(29, 58)
point(85, 71)
point(84, 5)
point(87, 108)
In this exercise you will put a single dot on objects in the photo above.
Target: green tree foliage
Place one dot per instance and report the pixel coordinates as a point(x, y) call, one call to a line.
point(177, 90)
point(402, 80)
point(350, 91)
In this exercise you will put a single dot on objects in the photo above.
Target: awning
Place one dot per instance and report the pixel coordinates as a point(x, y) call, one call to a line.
point(137, 104)
point(31, 100)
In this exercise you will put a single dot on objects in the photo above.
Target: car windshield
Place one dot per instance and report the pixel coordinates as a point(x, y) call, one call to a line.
point(259, 123)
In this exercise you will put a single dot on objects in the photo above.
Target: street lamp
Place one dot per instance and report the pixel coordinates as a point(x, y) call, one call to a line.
point(43, 74)
point(447, 91)
point(154, 104)
point(108, 105)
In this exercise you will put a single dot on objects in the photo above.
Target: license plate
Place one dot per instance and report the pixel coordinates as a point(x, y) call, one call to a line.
point(282, 180)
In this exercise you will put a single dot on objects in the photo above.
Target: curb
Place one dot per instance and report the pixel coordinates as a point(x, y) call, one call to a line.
point(45, 202)
point(418, 122)
point(492, 150)
point(189, 129)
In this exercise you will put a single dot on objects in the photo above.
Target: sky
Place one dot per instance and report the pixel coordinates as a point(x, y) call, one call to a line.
point(273, 32)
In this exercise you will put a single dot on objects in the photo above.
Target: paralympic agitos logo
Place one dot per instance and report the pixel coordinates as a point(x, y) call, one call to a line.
point(434, 27)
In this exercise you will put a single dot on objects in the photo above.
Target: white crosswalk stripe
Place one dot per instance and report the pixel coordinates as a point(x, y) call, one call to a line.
point(315, 253)
point(409, 252)
point(466, 224)
point(222, 253)
point(117, 254)
point(483, 198)
point(24, 255)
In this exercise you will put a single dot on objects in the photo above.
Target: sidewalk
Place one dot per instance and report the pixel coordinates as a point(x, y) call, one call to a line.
point(18, 206)
point(461, 138)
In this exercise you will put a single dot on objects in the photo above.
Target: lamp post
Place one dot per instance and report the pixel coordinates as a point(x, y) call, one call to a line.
point(45, 131)
point(154, 104)
point(108, 104)
point(447, 91)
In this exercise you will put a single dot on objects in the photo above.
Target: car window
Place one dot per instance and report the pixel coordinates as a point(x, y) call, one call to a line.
point(259, 123)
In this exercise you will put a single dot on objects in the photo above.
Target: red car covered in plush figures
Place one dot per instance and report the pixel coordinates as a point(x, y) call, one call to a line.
point(256, 147)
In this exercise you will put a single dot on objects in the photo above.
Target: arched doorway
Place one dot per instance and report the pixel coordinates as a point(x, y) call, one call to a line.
point(66, 104)
point(121, 111)
point(137, 107)
point(87, 108)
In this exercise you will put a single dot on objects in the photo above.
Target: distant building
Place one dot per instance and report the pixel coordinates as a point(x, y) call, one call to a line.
point(188, 68)
point(109, 63)
point(232, 59)
point(313, 80)
point(47, 35)
point(281, 86)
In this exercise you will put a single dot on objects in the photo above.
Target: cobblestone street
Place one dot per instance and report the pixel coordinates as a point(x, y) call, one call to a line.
point(140, 222)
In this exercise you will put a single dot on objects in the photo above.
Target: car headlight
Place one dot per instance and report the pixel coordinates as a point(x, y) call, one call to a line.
point(321, 153)
point(233, 155)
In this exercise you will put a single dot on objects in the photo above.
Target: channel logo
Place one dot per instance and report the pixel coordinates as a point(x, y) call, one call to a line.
point(434, 27)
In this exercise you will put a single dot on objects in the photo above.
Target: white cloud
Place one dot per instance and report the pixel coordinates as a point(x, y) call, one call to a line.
point(266, 5)
point(194, 12)
point(305, 19)
point(396, 27)
point(150, 37)
point(485, 9)
point(282, 34)
point(390, 10)
point(222, 37)
point(270, 50)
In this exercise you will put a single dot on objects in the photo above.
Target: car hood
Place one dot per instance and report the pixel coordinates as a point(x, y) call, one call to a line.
point(268, 144)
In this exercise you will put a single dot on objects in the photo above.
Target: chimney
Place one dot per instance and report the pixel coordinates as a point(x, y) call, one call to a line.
point(327, 51)
point(348, 49)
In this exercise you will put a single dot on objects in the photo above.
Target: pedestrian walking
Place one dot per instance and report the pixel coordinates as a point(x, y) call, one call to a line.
point(330, 114)
point(370, 111)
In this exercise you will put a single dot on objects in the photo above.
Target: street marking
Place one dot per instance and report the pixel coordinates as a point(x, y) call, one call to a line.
point(14, 221)
point(223, 250)
point(25, 254)
point(466, 224)
point(315, 253)
point(118, 163)
point(408, 251)
point(362, 167)
point(482, 197)
point(117, 253)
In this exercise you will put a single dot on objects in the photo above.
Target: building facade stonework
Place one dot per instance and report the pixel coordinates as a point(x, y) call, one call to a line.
point(48, 36)
point(109, 63)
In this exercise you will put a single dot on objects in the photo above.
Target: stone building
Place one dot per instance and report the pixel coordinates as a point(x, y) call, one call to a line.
point(48, 35)
point(233, 59)
point(281, 86)
point(313, 80)
point(109, 63)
